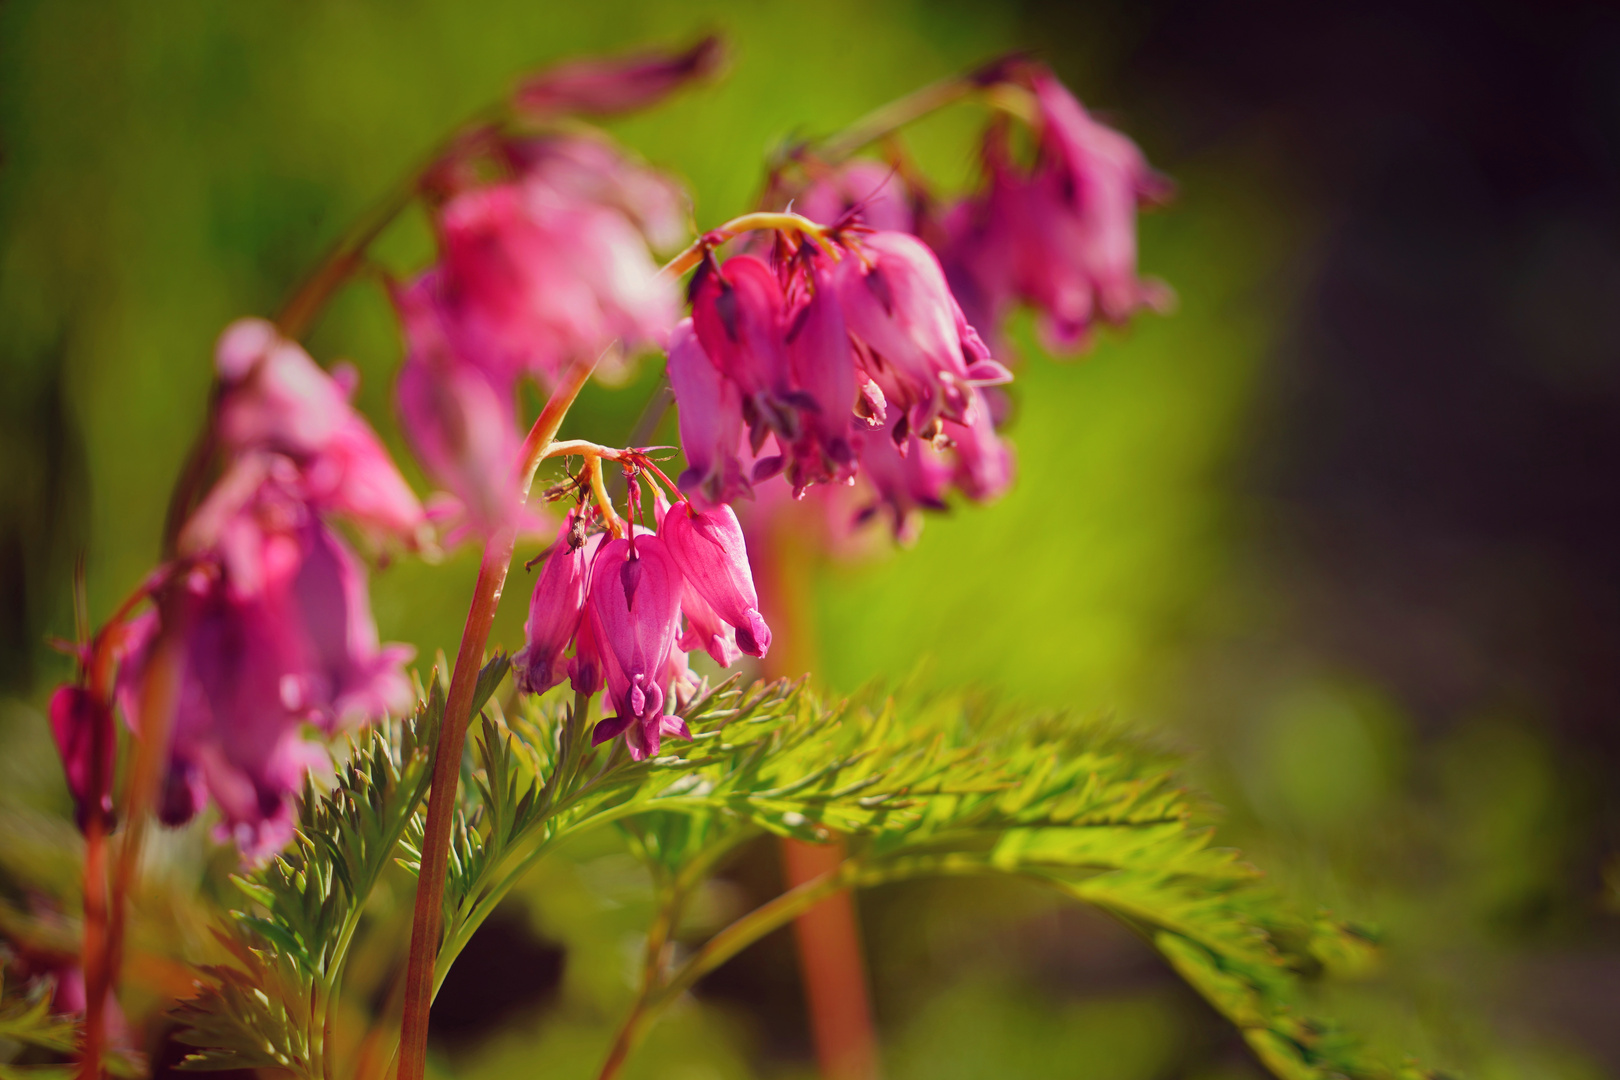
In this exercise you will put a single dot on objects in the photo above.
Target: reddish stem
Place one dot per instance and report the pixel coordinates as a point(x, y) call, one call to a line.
point(831, 962)
point(94, 956)
point(832, 967)
point(453, 732)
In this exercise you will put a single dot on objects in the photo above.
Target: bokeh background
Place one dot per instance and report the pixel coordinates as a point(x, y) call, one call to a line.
point(1345, 527)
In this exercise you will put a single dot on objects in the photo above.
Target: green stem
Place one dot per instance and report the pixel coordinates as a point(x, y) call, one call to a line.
point(716, 951)
point(425, 922)
point(886, 120)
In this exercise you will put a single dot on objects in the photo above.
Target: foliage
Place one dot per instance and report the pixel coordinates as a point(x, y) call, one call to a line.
point(916, 786)
point(26, 1020)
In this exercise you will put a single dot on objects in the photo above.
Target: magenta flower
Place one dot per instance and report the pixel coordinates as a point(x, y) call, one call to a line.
point(708, 548)
point(591, 169)
point(823, 365)
point(984, 461)
point(587, 672)
point(737, 311)
point(556, 608)
point(1062, 236)
point(460, 422)
point(905, 476)
point(634, 610)
point(619, 85)
point(79, 721)
point(710, 420)
point(276, 399)
point(918, 347)
point(532, 280)
point(276, 632)
point(705, 629)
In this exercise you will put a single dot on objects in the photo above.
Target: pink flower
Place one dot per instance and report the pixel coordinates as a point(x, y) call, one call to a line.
point(634, 609)
point(79, 722)
point(709, 549)
point(1061, 237)
point(905, 476)
point(984, 461)
point(276, 399)
point(532, 279)
point(555, 608)
point(585, 168)
point(710, 420)
point(918, 347)
point(737, 311)
point(460, 421)
point(276, 632)
point(705, 629)
point(868, 193)
point(623, 84)
point(823, 365)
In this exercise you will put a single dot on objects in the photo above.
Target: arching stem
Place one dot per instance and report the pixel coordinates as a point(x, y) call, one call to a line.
point(425, 922)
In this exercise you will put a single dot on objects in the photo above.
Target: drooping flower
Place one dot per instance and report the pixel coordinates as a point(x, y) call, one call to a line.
point(275, 631)
point(459, 419)
point(556, 608)
point(822, 361)
point(904, 475)
point(634, 611)
point(710, 420)
point(708, 548)
point(1060, 236)
point(587, 168)
point(276, 399)
point(80, 722)
point(705, 629)
point(918, 346)
point(983, 460)
point(738, 312)
point(533, 279)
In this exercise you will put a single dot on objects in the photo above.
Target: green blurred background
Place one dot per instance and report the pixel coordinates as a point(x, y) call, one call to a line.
point(1342, 527)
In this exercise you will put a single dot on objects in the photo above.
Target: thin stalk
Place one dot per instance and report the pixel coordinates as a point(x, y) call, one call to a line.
point(716, 951)
point(94, 953)
point(425, 922)
point(886, 120)
point(160, 694)
point(760, 220)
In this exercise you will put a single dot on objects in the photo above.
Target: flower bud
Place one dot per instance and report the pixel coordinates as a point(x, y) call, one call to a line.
point(83, 728)
point(555, 609)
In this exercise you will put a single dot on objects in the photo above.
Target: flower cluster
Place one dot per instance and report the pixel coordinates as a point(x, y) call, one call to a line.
point(545, 260)
point(620, 602)
point(266, 601)
point(1056, 232)
point(842, 353)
